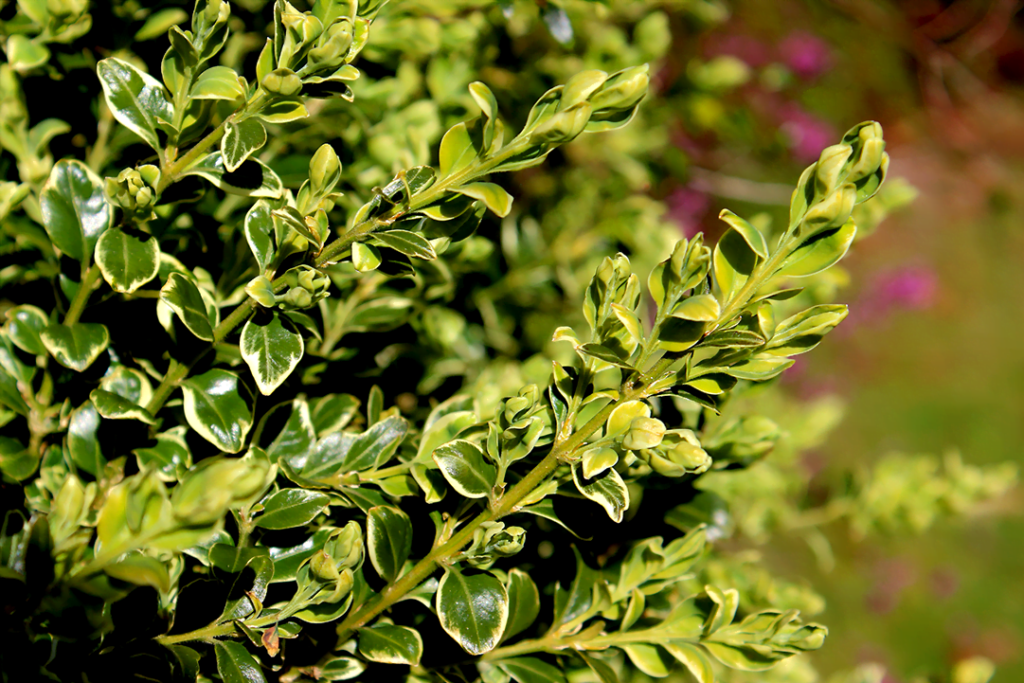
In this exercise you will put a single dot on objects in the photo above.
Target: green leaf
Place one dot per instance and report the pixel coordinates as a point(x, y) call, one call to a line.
point(290, 508)
point(114, 407)
point(141, 570)
point(820, 252)
point(263, 575)
point(284, 110)
point(235, 664)
point(473, 609)
point(713, 384)
point(457, 150)
point(252, 179)
point(127, 258)
point(802, 332)
point(24, 54)
point(170, 457)
point(607, 489)
point(365, 257)
point(10, 395)
point(758, 369)
point(702, 307)
point(137, 100)
point(272, 348)
point(735, 339)
point(82, 442)
point(604, 673)
point(733, 262)
point(493, 196)
point(531, 670)
point(340, 669)
point(388, 540)
point(183, 297)
point(751, 235)
point(462, 464)
point(75, 208)
point(297, 436)
point(217, 83)
point(158, 23)
point(24, 325)
point(259, 233)
point(16, 462)
point(76, 346)
point(240, 140)
point(215, 408)
point(408, 243)
point(695, 661)
point(648, 658)
point(523, 603)
point(390, 644)
point(332, 413)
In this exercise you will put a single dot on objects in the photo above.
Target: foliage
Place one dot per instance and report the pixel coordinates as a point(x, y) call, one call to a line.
point(266, 187)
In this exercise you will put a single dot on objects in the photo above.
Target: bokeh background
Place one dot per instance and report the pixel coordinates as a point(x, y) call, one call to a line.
point(929, 359)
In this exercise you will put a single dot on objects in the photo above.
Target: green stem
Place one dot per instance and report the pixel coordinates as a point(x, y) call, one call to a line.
point(576, 642)
point(89, 279)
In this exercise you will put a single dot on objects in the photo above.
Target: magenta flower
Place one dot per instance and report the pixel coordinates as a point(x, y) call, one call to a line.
point(687, 207)
point(806, 55)
point(750, 50)
point(807, 134)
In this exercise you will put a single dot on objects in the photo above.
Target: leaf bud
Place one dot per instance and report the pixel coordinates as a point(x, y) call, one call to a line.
point(133, 189)
point(261, 289)
point(869, 161)
point(506, 542)
point(832, 211)
point(623, 415)
point(298, 298)
point(324, 170)
point(347, 546)
point(683, 449)
point(282, 82)
point(204, 495)
point(332, 48)
point(623, 90)
point(323, 567)
point(250, 478)
point(830, 167)
point(514, 407)
point(580, 87)
point(563, 126)
point(644, 432)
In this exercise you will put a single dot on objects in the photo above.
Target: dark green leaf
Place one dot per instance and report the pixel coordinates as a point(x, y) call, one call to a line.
point(473, 609)
point(75, 208)
point(271, 347)
point(523, 603)
point(389, 644)
point(128, 258)
point(291, 508)
point(115, 407)
point(531, 670)
point(388, 540)
point(408, 243)
point(235, 664)
point(252, 179)
point(136, 99)
point(24, 325)
point(216, 409)
point(462, 463)
point(76, 346)
point(183, 297)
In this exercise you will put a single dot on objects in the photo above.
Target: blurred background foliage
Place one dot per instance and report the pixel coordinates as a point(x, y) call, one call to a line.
point(745, 93)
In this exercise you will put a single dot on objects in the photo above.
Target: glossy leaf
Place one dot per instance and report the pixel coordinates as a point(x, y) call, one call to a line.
point(290, 508)
point(695, 661)
point(217, 83)
point(648, 658)
point(75, 208)
point(141, 570)
point(388, 540)
point(607, 489)
point(531, 670)
point(751, 235)
point(128, 259)
point(82, 442)
point(523, 603)
point(114, 407)
point(240, 141)
point(494, 197)
point(235, 664)
point(463, 465)
point(76, 346)
point(702, 307)
point(457, 150)
point(24, 325)
point(217, 410)
point(473, 609)
point(183, 297)
point(733, 262)
point(408, 243)
point(137, 100)
point(252, 179)
point(272, 348)
point(169, 457)
point(390, 644)
point(820, 252)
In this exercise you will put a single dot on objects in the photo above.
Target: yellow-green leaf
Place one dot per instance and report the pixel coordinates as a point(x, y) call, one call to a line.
point(272, 348)
point(128, 258)
point(493, 196)
point(76, 346)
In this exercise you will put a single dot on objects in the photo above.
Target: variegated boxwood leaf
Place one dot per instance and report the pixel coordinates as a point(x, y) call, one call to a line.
point(252, 179)
point(10, 395)
point(695, 661)
point(494, 197)
point(170, 457)
point(733, 262)
point(217, 83)
point(216, 408)
point(240, 140)
point(523, 603)
point(820, 252)
point(24, 325)
point(16, 461)
point(184, 297)
point(136, 99)
point(129, 383)
point(272, 348)
point(339, 453)
point(235, 664)
point(751, 235)
point(408, 243)
point(83, 445)
point(388, 540)
point(462, 463)
point(259, 232)
point(650, 659)
point(127, 258)
point(115, 407)
point(297, 436)
point(607, 489)
point(472, 609)
point(340, 669)
point(390, 644)
point(290, 508)
point(531, 670)
point(76, 346)
point(75, 208)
